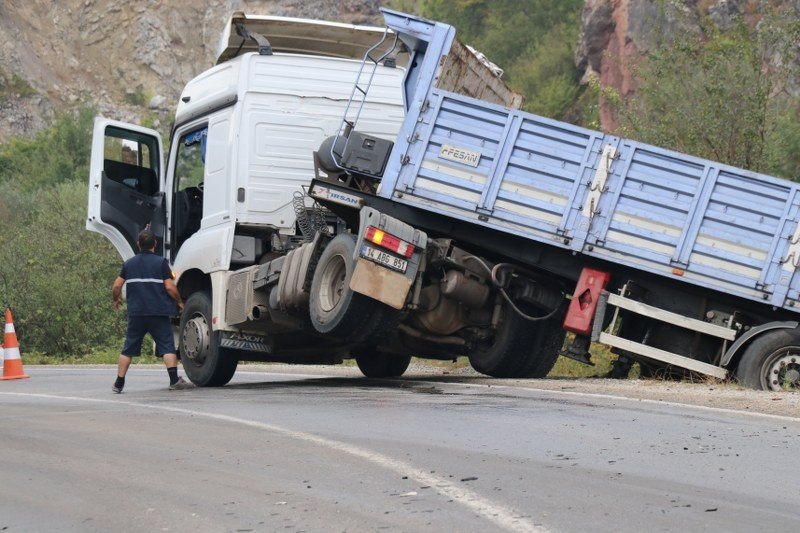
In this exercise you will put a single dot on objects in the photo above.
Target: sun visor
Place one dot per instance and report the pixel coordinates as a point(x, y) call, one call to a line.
point(303, 36)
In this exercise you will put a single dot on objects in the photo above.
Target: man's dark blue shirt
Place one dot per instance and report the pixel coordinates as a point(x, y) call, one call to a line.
point(144, 275)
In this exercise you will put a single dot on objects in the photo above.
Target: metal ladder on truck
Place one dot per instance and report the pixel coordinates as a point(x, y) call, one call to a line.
point(351, 114)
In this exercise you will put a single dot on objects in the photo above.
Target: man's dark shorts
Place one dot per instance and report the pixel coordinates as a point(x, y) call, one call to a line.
point(157, 326)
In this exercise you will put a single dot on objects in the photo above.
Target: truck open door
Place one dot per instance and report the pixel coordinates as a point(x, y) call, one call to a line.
point(126, 185)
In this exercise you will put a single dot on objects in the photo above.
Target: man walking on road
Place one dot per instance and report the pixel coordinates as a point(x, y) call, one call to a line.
point(152, 299)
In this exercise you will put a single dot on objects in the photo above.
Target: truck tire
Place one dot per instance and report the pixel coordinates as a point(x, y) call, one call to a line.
point(334, 309)
point(502, 356)
point(382, 365)
point(772, 362)
point(545, 349)
point(204, 361)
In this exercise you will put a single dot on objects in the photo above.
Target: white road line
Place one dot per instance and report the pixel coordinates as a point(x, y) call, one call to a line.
point(501, 515)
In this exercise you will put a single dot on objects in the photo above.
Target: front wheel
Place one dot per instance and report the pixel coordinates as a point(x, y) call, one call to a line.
point(772, 362)
point(204, 361)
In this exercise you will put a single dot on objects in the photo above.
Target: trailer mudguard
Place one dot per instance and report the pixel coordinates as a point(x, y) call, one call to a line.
point(745, 339)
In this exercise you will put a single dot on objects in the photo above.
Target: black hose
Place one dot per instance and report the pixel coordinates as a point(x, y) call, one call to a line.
point(496, 282)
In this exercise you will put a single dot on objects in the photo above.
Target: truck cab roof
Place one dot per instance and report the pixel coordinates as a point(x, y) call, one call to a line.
point(300, 36)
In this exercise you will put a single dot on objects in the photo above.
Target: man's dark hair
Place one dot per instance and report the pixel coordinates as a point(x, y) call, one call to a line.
point(147, 240)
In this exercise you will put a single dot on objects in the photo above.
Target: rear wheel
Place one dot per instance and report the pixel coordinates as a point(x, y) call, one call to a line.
point(542, 355)
point(772, 362)
point(382, 365)
point(501, 355)
point(334, 309)
point(204, 361)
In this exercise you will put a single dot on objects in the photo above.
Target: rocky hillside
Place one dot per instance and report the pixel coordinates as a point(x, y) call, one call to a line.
point(616, 33)
point(127, 58)
point(131, 59)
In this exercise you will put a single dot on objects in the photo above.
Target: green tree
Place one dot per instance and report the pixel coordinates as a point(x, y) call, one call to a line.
point(719, 96)
point(533, 40)
point(55, 275)
point(547, 76)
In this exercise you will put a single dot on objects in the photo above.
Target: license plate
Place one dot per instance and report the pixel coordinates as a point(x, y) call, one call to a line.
point(383, 258)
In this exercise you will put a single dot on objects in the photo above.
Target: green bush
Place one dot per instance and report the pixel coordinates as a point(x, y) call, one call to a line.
point(13, 86)
point(137, 96)
point(55, 275)
point(532, 40)
point(55, 155)
point(720, 96)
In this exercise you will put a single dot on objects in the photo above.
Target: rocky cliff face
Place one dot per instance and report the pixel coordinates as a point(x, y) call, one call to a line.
point(127, 58)
point(616, 33)
point(131, 59)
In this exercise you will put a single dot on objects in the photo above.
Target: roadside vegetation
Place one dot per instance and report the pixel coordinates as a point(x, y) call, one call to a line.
point(532, 41)
point(55, 275)
point(721, 95)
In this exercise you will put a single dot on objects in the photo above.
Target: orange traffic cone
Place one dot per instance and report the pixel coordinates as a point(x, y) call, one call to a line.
point(12, 364)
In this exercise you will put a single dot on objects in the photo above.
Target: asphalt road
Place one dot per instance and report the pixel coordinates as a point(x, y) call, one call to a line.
point(288, 452)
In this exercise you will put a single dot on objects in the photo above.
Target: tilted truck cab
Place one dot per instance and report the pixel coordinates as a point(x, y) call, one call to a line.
point(228, 193)
point(227, 201)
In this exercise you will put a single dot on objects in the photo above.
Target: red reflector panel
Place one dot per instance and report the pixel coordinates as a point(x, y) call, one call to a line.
point(389, 241)
point(584, 301)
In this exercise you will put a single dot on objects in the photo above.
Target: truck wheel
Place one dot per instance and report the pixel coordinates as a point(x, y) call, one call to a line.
point(545, 349)
point(334, 309)
point(382, 365)
point(204, 361)
point(501, 356)
point(772, 362)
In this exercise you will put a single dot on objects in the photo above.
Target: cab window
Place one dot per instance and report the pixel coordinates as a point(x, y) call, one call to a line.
point(188, 191)
point(130, 159)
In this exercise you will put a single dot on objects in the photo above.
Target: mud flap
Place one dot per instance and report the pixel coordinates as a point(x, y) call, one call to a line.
point(380, 283)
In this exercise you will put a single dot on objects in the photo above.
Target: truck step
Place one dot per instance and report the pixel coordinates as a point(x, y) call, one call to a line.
point(663, 356)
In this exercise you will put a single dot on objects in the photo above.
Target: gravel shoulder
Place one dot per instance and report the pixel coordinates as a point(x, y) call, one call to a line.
point(720, 395)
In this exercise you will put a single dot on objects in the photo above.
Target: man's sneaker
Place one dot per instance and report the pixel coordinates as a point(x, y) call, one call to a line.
point(117, 388)
point(181, 384)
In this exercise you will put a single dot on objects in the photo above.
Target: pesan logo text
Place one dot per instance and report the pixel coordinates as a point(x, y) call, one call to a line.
point(459, 155)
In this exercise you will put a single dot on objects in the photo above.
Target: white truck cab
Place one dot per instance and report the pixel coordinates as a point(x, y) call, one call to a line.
point(227, 194)
point(242, 145)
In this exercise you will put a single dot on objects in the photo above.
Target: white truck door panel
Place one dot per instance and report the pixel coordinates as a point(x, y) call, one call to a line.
point(280, 163)
point(218, 184)
point(125, 184)
point(208, 250)
point(202, 188)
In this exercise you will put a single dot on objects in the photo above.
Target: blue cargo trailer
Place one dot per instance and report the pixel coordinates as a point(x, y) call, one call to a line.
point(677, 261)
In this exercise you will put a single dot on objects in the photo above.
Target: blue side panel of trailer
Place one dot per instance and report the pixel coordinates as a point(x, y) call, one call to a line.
point(640, 206)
